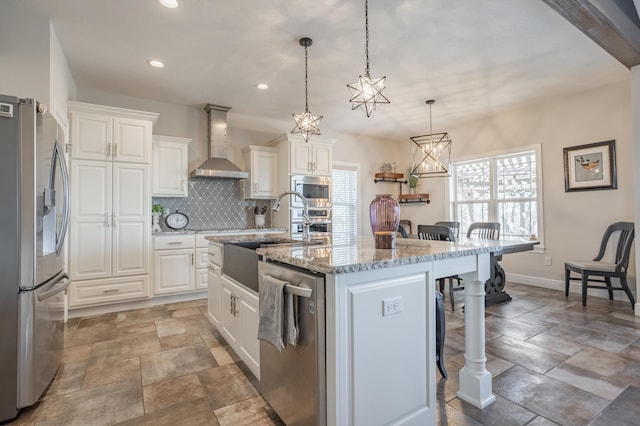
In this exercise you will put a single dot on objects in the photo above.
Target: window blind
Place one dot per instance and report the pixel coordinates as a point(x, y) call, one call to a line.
point(344, 199)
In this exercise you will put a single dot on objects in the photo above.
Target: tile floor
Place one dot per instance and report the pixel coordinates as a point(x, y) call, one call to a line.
point(553, 361)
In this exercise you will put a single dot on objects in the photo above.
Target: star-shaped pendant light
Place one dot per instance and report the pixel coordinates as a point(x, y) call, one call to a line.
point(431, 153)
point(307, 124)
point(366, 93)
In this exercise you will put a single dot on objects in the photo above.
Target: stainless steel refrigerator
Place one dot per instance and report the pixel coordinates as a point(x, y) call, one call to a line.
point(34, 211)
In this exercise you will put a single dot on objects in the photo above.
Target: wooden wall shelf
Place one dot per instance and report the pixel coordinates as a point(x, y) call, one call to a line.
point(414, 198)
point(389, 177)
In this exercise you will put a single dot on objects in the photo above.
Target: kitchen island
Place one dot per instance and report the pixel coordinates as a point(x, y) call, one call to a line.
point(380, 325)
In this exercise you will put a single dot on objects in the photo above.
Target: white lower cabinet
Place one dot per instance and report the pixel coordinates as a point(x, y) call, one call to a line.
point(109, 290)
point(214, 273)
point(239, 322)
point(180, 263)
point(173, 271)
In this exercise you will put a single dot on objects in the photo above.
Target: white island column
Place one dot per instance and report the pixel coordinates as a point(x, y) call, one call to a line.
point(475, 380)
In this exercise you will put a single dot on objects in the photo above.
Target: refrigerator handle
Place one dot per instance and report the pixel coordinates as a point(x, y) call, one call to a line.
point(58, 156)
point(51, 283)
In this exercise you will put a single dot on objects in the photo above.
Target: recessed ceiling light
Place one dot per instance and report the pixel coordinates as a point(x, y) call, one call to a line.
point(262, 86)
point(155, 63)
point(171, 4)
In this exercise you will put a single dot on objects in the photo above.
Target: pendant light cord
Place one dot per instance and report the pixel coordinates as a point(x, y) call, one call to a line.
point(306, 82)
point(366, 30)
point(430, 120)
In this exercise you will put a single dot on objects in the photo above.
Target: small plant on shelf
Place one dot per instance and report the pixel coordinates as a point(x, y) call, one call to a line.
point(157, 209)
point(412, 178)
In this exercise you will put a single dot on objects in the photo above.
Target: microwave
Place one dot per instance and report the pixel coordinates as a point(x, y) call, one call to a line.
point(316, 189)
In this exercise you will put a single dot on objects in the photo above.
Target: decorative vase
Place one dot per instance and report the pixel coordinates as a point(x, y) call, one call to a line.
point(412, 190)
point(384, 213)
point(260, 221)
point(155, 222)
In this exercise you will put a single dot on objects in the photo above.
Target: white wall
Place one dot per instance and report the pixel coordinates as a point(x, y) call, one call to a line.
point(24, 53)
point(62, 87)
point(574, 222)
point(635, 94)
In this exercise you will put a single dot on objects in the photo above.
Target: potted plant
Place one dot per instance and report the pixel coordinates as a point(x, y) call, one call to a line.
point(412, 180)
point(156, 211)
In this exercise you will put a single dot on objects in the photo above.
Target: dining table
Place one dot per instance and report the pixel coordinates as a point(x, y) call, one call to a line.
point(494, 287)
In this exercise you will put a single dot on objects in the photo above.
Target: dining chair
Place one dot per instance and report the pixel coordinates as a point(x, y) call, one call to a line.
point(438, 233)
point(402, 231)
point(440, 332)
point(406, 224)
point(435, 232)
point(611, 261)
point(455, 227)
point(482, 230)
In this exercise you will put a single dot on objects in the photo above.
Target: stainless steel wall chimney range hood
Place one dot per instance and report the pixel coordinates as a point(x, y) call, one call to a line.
point(218, 166)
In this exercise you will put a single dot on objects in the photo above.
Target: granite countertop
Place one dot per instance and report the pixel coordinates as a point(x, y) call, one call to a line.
point(276, 237)
point(239, 231)
point(362, 254)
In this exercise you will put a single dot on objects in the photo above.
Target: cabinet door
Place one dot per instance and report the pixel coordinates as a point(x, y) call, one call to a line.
point(228, 321)
point(90, 220)
point(131, 219)
point(249, 318)
point(264, 177)
point(201, 279)
point(132, 140)
point(91, 136)
point(174, 271)
point(300, 158)
point(322, 159)
point(213, 301)
point(170, 169)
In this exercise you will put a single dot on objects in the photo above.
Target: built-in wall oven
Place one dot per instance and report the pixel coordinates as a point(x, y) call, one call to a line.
point(320, 221)
point(317, 191)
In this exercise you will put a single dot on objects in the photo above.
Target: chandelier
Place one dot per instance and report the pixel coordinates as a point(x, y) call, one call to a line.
point(431, 153)
point(307, 124)
point(366, 93)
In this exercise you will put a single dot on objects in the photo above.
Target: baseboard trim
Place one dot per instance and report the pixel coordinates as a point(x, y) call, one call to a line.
point(574, 287)
point(135, 304)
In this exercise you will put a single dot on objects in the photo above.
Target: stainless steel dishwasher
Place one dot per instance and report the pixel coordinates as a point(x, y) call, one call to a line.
point(293, 381)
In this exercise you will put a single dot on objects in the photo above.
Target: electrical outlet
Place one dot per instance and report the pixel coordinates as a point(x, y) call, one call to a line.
point(547, 261)
point(391, 306)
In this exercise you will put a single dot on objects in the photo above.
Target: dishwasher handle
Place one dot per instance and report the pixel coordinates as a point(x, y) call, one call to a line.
point(298, 291)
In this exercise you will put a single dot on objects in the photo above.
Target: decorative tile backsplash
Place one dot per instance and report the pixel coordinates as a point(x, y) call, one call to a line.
point(215, 204)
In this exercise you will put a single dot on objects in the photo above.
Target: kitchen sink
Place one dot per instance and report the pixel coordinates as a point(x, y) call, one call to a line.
point(241, 260)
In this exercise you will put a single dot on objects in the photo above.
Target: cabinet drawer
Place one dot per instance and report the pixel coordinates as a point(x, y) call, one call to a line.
point(215, 254)
point(201, 240)
point(201, 258)
point(96, 292)
point(170, 242)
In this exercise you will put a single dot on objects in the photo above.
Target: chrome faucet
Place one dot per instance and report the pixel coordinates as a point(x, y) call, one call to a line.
point(306, 222)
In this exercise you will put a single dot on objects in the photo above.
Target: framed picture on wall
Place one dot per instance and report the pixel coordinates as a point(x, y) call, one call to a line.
point(590, 167)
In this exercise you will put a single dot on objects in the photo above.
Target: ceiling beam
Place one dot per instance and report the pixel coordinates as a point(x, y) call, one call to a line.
point(610, 23)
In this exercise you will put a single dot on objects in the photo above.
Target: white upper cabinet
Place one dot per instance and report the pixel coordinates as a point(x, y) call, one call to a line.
point(110, 134)
point(262, 163)
point(170, 167)
point(306, 158)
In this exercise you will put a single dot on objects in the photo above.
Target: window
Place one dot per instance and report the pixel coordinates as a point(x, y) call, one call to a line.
point(504, 188)
point(344, 199)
